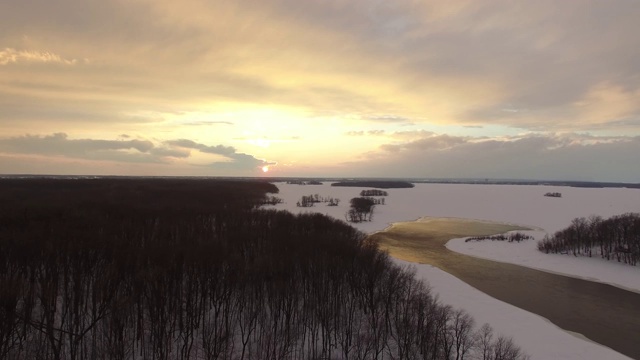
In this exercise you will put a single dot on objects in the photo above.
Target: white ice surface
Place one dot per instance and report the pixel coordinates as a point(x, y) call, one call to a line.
point(534, 334)
point(515, 204)
point(525, 254)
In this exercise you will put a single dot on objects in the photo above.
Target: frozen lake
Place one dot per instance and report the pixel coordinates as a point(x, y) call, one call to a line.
point(515, 204)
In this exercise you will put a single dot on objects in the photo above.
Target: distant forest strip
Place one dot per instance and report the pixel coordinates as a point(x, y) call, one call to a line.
point(375, 184)
point(374, 192)
point(142, 194)
point(582, 184)
point(182, 269)
point(616, 238)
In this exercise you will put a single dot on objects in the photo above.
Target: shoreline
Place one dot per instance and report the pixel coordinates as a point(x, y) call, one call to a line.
point(539, 292)
point(528, 329)
point(439, 229)
point(561, 273)
point(454, 244)
point(595, 269)
point(505, 204)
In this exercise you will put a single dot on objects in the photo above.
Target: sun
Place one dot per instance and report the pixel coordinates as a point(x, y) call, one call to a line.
point(265, 169)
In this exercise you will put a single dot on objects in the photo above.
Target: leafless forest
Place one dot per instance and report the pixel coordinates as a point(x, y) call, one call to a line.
point(616, 238)
point(191, 269)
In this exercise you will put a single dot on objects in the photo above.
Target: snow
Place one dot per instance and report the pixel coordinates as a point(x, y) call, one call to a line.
point(526, 254)
point(537, 337)
point(514, 204)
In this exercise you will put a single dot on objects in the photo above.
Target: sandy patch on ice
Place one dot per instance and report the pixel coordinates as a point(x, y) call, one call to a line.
point(416, 241)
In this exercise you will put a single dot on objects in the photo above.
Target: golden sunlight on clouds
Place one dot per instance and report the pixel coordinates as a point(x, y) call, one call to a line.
point(234, 88)
point(9, 55)
point(608, 102)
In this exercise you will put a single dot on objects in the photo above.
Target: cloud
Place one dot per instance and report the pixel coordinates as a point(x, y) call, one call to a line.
point(460, 62)
point(10, 55)
point(170, 152)
point(633, 122)
point(241, 161)
point(127, 151)
point(569, 156)
point(60, 144)
point(387, 118)
point(237, 160)
point(412, 134)
point(207, 123)
point(162, 68)
point(190, 144)
point(435, 142)
point(367, 133)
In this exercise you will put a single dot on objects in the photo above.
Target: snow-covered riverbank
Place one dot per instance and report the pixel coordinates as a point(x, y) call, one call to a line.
point(525, 254)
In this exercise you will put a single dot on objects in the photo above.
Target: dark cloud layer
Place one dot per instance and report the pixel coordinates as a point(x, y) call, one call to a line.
point(190, 144)
point(137, 151)
point(238, 160)
point(544, 157)
point(60, 144)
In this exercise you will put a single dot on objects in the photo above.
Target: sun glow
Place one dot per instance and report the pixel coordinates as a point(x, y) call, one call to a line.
point(265, 169)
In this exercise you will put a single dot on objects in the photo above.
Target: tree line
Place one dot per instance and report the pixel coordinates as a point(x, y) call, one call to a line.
point(271, 200)
point(301, 182)
point(310, 200)
point(361, 208)
point(373, 192)
point(616, 238)
point(130, 271)
point(510, 237)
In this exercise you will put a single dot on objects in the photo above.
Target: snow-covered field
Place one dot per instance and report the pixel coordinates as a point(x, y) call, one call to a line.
point(515, 204)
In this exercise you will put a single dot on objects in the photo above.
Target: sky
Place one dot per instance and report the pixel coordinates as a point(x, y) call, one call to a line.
point(494, 89)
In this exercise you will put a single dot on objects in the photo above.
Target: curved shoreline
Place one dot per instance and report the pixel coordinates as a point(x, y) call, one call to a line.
point(451, 246)
point(536, 335)
point(589, 308)
point(455, 246)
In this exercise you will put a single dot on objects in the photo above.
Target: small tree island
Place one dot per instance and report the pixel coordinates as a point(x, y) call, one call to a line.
point(361, 209)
